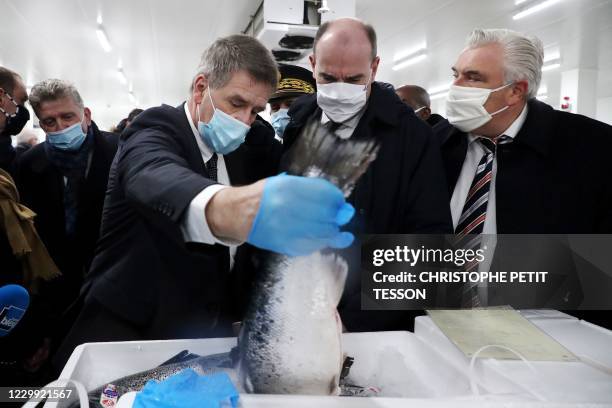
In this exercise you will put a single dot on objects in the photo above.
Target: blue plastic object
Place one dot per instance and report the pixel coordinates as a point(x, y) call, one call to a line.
point(188, 389)
point(300, 215)
point(14, 301)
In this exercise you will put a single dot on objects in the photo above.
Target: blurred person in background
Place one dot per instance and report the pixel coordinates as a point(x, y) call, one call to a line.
point(25, 140)
point(295, 82)
point(418, 99)
point(13, 115)
point(63, 180)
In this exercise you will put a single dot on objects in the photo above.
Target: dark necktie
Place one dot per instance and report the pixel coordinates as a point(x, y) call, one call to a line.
point(211, 167)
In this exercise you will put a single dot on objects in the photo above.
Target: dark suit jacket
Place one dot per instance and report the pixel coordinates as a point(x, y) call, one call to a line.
point(143, 270)
point(402, 192)
point(552, 179)
point(41, 186)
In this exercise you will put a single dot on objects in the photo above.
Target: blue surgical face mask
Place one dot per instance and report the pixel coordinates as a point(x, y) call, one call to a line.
point(280, 120)
point(223, 133)
point(69, 139)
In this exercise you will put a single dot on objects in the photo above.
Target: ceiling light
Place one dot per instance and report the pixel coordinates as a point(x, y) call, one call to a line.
point(439, 95)
point(122, 77)
point(103, 39)
point(552, 56)
point(534, 9)
point(440, 88)
point(410, 59)
point(550, 67)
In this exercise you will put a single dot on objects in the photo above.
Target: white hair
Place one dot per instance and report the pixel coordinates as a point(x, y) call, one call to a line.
point(523, 55)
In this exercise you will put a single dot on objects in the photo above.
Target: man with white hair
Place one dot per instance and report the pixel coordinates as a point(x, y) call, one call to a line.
point(515, 165)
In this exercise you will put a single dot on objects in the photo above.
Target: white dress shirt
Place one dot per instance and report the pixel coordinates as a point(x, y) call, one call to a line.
point(195, 226)
point(346, 129)
point(475, 152)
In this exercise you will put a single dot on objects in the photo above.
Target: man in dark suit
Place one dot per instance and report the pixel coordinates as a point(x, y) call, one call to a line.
point(63, 180)
point(183, 193)
point(13, 115)
point(403, 191)
point(418, 99)
point(514, 165)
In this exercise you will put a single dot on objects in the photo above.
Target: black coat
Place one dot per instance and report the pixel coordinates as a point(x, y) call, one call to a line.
point(41, 185)
point(143, 270)
point(554, 178)
point(402, 192)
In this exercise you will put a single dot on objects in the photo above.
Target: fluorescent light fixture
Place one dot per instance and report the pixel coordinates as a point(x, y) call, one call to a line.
point(556, 55)
point(119, 64)
point(534, 9)
point(550, 67)
point(517, 2)
point(122, 77)
point(132, 98)
point(439, 95)
point(409, 59)
point(131, 88)
point(439, 88)
point(103, 39)
point(99, 19)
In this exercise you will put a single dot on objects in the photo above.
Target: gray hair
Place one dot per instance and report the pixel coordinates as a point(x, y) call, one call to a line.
point(523, 55)
point(52, 90)
point(228, 55)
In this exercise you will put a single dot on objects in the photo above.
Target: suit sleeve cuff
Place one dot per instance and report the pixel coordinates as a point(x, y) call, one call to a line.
point(195, 225)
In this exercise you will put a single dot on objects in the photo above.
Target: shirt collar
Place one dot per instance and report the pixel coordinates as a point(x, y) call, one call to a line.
point(346, 129)
point(512, 130)
point(204, 149)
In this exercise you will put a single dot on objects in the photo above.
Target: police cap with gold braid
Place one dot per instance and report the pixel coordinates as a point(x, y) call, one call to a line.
point(295, 81)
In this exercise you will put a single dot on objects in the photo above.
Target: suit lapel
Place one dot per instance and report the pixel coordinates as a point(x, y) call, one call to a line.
point(192, 151)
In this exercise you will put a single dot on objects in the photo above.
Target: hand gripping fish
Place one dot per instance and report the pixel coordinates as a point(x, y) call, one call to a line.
point(290, 341)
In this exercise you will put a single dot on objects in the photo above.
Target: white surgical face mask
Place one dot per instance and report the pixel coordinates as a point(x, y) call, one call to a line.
point(465, 107)
point(340, 100)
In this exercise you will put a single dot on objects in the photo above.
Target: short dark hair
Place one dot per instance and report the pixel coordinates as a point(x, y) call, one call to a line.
point(8, 80)
point(367, 28)
point(418, 95)
point(134, 113)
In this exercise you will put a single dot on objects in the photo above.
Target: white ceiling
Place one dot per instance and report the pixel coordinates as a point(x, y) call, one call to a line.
point(160, 42)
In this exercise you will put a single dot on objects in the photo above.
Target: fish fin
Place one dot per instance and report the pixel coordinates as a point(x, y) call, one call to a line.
point(248, 384)
point(181, 357)
point(339, 274)
point(334, 386)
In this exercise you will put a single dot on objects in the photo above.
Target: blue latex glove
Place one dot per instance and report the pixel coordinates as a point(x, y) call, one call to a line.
point(300, 215)
point(188, 389)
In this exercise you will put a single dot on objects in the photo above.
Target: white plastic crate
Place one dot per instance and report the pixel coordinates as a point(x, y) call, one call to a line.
point(411, 370)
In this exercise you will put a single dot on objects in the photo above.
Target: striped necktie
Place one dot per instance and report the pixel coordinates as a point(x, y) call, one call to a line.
point(475, 208)
point(473, 216)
